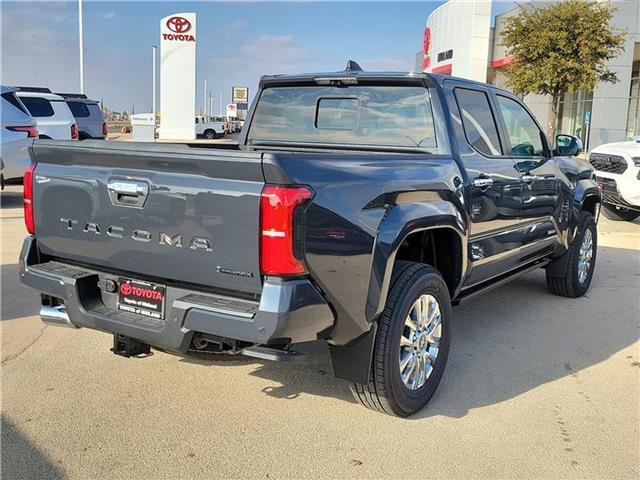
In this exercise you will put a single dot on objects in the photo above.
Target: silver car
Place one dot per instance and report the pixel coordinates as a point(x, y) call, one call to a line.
point(88, 115)
point(18, 129)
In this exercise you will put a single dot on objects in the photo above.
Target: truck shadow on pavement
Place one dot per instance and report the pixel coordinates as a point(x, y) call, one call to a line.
point(11, 200)
point(19, 455)
point(506, 342)
point(18, 301)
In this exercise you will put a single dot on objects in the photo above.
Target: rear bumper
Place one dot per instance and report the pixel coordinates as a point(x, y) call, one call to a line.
point(290, 311)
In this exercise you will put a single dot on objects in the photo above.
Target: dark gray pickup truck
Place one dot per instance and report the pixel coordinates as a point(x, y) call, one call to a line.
point(357, 209)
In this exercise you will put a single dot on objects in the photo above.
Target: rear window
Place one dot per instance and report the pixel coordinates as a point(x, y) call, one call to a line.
point(78, 109)
point(38, 106)
point(11, 98)
point(375, 116)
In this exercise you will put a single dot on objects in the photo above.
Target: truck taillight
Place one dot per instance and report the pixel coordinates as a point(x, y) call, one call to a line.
point(27, 199)
point(105, 132)
point(74, 132)
point(279, 230)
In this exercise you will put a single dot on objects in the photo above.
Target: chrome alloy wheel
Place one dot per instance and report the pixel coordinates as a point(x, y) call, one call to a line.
point(585, 256)
point(420, 341)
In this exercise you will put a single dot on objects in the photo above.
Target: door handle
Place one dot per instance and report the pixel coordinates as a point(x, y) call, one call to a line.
point(128, 188)
point(529, 178)
point(482, 182)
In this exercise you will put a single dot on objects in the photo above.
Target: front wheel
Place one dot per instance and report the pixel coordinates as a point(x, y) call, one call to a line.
point(412, 342)
point(572, 274)
point(619, 214)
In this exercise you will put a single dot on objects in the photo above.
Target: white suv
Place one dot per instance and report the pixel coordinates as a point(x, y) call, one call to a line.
point(18, 131)
point(51, 112)
point(617, 167)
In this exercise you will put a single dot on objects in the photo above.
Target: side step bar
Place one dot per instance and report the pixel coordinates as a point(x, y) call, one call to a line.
point(56, 316)
point(501, 280)
point(273, 354)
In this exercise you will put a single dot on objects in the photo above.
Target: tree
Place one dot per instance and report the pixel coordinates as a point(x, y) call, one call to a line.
point(560, 48)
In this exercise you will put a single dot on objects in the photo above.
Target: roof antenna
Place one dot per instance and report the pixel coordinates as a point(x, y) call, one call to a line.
point(353, 67)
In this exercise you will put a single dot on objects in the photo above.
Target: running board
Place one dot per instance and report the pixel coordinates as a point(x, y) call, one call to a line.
point(507, 277)
point(273, 354)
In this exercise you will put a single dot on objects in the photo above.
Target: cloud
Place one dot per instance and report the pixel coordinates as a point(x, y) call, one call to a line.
point(37, 53)
point(388, 64)
point(108, 15)
point(277, 53)
point(231, 30)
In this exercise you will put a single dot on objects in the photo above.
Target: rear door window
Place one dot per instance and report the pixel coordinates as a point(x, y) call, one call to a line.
point(375, 116)
point(79, 109)
point(38, 106)
point(478, 121)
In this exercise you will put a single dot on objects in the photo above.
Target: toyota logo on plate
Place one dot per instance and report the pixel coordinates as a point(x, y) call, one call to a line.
point(178, 24)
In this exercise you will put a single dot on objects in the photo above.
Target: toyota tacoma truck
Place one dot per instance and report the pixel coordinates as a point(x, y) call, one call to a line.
point(617, 167)
point(357, 209)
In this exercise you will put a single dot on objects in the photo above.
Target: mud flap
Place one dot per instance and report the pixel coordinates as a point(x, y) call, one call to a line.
point(353, 361)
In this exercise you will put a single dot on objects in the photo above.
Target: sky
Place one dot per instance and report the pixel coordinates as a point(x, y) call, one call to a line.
point(237, 42)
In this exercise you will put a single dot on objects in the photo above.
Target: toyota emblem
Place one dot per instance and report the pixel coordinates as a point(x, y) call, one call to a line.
point(178, 24)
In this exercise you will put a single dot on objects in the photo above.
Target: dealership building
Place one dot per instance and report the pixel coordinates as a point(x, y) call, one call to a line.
point(460, 40)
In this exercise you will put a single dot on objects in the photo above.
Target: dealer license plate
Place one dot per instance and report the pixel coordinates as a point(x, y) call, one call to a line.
point(141, 298)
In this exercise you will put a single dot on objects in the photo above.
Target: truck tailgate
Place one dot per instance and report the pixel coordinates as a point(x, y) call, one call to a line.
point(169, 212)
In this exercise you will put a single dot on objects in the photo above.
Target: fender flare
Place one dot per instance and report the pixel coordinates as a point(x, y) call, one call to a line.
point(585, 188)
point(399, 223)
point(352, 362)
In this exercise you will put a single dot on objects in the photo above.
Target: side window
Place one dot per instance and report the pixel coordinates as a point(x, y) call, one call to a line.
point(38, 107)
point(524, 135)
point(478, 122)
point(11, 98)
point(78, 109)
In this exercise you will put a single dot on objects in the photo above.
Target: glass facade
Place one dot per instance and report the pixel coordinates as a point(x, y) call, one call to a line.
point(574, 114)
point(633, 117)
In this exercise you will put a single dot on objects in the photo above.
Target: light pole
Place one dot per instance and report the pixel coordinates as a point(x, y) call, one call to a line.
point(81, 42)
point(153, 89)
point(204, 98)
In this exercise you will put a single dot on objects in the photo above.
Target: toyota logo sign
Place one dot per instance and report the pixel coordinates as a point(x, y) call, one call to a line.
point(180, 29)
point(178, 24)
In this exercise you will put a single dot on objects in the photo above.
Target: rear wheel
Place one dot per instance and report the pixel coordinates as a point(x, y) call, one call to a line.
point(210, 134)
point(619, 214)
point(578, 263)
point(412, 342)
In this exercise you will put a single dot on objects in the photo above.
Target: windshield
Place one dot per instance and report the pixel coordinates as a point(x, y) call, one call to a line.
point(373, 116)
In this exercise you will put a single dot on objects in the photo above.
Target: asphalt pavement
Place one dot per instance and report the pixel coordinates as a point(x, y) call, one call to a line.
point(536, 386)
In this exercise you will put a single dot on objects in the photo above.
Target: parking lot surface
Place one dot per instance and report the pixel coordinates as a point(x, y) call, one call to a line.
point(536, 386)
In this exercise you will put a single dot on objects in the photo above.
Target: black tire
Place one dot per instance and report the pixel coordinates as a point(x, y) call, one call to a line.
point(210, 134)
point(386, 392)
point(562, 278)
point(619, 214)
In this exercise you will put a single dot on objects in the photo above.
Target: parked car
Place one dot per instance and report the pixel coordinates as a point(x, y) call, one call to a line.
point(617, 166)
point(52, 114)
point(345, 214)
point(88, 116)
point(210, 127)
point(18, 129)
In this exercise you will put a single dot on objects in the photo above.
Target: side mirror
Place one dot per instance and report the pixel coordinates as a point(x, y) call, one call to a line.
point(568, 145)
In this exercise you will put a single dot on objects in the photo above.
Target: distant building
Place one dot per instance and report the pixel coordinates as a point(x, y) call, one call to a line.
point(460, 41)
